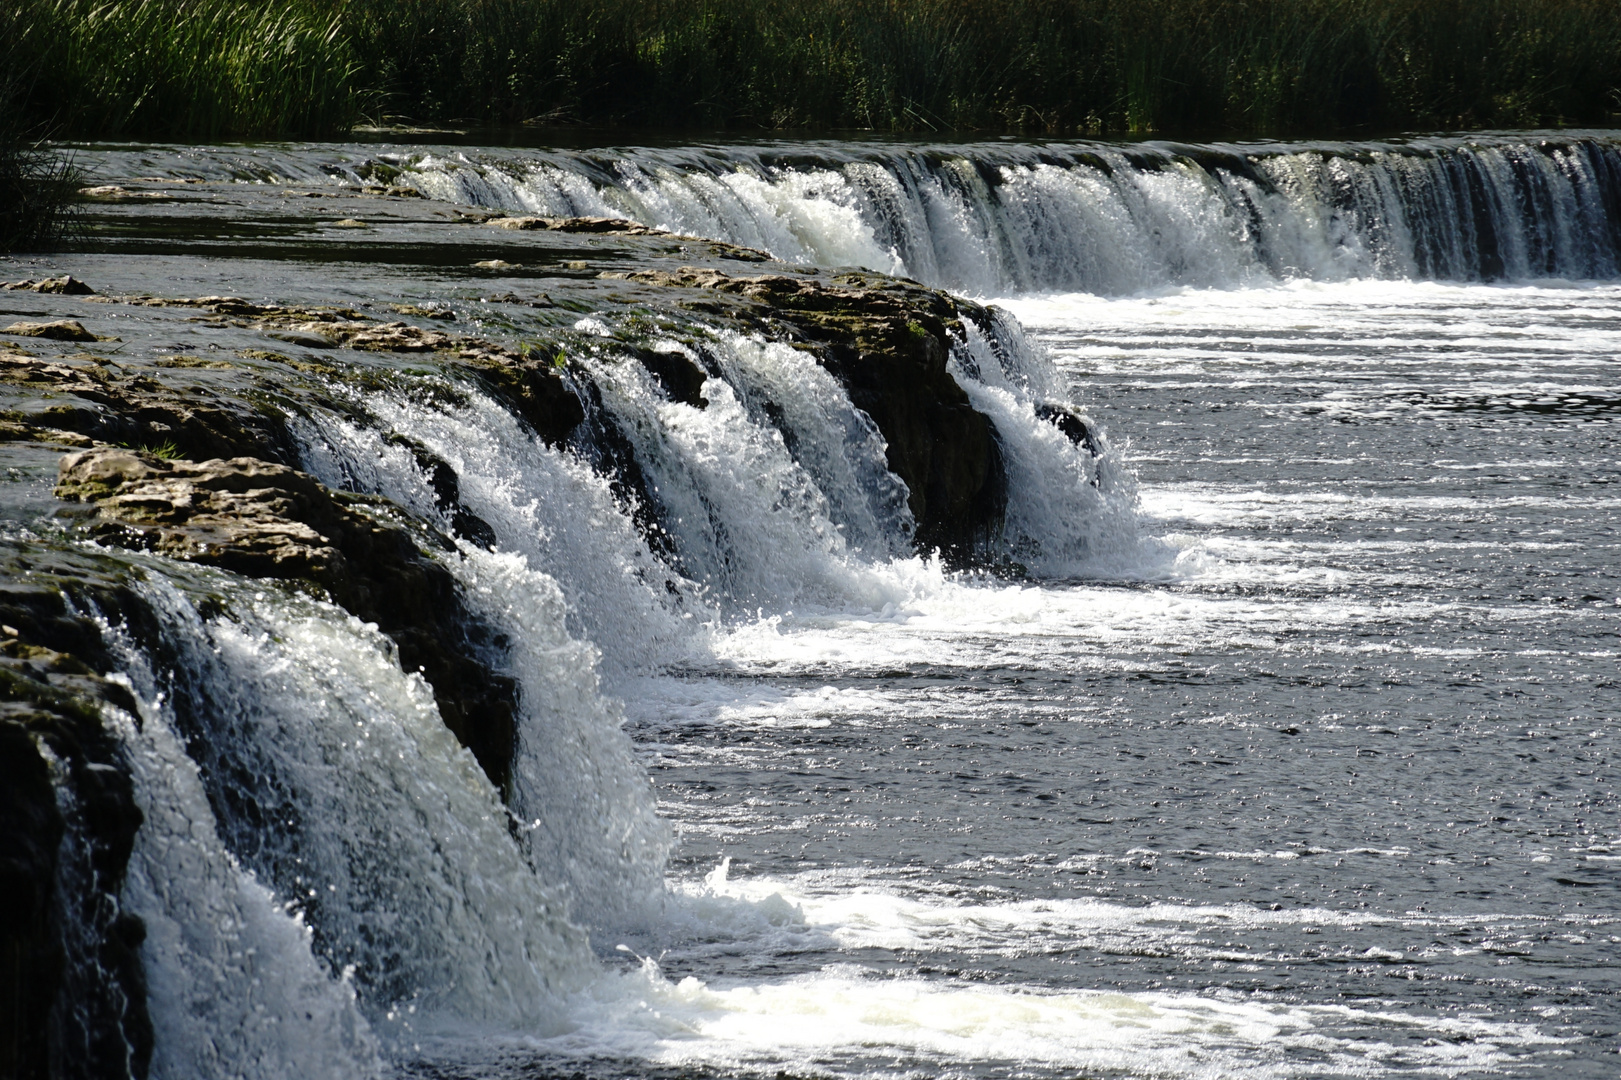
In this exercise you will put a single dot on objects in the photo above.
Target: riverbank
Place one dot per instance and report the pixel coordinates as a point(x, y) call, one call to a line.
point(224, 68)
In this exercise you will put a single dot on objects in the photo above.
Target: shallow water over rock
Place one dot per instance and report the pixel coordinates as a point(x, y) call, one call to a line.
point(1255, 719)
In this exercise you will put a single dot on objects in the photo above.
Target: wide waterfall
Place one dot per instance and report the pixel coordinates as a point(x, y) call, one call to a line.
point(991, 219)
point(471, 646)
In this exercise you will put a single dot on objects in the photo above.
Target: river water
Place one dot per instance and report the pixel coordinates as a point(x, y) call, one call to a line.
point(1323, 780)
point(1293, 754)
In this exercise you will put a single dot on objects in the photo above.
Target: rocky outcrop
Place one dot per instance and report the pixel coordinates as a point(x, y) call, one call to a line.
point(265, 520)
point(67, 285)
point(887, 341)
point(530, 382)
point(72, 988)
point(90, 400)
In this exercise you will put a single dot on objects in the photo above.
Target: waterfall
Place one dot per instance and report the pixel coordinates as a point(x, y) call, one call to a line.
point(312, 827)
point(325, 874)
point(990, 219)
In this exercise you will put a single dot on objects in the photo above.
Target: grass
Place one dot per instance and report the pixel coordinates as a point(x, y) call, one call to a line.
point(37, 191)
point(208, 69)
point(37, 186)
point(187, 69)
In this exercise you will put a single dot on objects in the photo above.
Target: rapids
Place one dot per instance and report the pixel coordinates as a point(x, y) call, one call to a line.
point(1274, 736)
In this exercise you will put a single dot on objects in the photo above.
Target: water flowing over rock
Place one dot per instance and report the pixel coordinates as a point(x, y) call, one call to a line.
point(994, 218)
point(261, 519)
point(354, 593)
point(888, 342)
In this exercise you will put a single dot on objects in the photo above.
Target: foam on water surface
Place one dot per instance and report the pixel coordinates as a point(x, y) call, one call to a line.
point(1286, 758)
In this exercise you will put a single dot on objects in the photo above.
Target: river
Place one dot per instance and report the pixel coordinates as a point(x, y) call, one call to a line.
point(1278, 746)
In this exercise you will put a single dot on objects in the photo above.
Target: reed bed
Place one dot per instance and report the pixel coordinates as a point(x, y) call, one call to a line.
point(213, 68)
point(37, 185)
point(187, 69)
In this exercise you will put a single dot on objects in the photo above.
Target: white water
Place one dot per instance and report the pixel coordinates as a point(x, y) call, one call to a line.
point(1056, 824)
point(994, 219)
point(393, 846)
point(990, 220)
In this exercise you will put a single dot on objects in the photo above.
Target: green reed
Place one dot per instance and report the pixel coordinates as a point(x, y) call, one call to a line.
point(188, 68)
point(211, 68)
point(1192, 66)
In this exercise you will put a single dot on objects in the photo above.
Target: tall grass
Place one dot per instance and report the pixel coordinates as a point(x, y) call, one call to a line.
point(188, 68)
point(37, 185)
point(1061, 66)
point(212, 68)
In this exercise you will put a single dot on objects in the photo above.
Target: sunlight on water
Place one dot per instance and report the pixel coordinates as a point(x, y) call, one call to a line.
point(1274, 746)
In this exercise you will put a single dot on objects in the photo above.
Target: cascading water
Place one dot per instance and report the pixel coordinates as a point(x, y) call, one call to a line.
point(991, 219)
point(720, 562)
point(325, 873)
point(330, 776)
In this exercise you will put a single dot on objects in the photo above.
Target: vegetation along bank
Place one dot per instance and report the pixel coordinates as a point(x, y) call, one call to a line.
point(208, 69)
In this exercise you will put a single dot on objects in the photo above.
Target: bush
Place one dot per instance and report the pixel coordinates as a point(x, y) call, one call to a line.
point(1188, 67)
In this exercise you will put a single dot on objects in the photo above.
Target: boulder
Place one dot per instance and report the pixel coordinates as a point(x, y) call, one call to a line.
point(55, 330)
point(67, 285)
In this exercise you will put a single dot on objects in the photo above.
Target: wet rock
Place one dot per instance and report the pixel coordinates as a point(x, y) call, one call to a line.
point(887, 341)
point(138, 412)
point(390, 337)
point(1067, 418)
point(91, 399)
point(55, 330)
point(612, 225)
point(67, 285)
point(375, 337)
point(72, 987)
point(681, 379)
point(531, 384)
point(261, 519)
point(238, 307)
point(438, 312)
point(115, 193)
point(303, 340)
point(447, 492)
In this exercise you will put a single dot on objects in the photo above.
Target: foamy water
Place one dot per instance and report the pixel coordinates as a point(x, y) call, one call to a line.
point(1288, 754)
